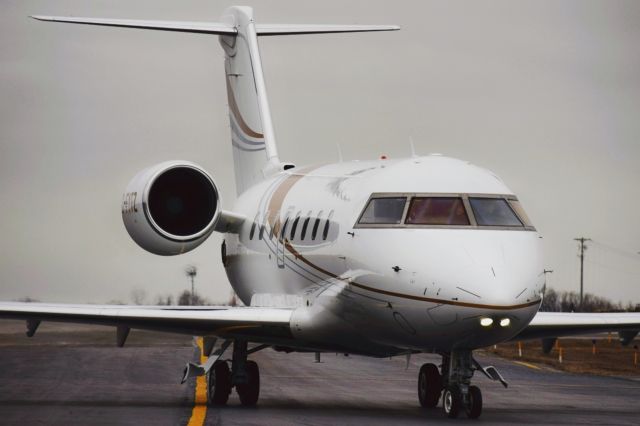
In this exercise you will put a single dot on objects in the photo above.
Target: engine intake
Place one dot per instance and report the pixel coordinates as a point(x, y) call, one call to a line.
point(182, 201)
point(171, 208)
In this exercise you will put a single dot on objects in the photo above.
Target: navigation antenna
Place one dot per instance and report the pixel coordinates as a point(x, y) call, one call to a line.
point(412, 146)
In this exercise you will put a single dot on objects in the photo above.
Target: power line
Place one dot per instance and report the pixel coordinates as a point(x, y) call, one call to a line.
point(621, 252)
point(613, 268)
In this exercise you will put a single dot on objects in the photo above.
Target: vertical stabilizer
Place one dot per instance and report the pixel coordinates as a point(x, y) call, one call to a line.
point(254, 148)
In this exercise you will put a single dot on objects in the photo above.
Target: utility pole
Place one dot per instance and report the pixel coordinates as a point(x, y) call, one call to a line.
point(191, 272)
point(583, 247)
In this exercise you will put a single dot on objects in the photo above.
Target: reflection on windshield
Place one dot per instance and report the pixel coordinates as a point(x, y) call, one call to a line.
point(493, 212)
point(437, 211)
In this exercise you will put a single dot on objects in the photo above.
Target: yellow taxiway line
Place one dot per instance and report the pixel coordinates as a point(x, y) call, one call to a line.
point(526, 364)
point(199, 412)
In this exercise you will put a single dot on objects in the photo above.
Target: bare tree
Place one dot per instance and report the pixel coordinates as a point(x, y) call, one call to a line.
point(28, 299)
point(187, 299)
point(569, 301)
point(138, 296)
point(550, 301)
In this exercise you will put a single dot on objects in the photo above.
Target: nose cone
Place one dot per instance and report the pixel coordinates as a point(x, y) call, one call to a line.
point(501, 268)
point(492, 278)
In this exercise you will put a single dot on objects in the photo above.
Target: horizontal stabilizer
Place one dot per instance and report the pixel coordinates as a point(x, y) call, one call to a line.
point(289, 29)
point(180, 26)
point(219, 27)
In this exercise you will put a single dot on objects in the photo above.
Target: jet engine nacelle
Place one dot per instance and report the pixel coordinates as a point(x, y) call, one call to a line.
point(171, 208)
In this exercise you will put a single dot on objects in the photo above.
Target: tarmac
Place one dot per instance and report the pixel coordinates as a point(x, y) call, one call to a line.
point(69, 376)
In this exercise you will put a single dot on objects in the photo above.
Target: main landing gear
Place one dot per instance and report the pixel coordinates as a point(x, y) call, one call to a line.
point(244, 375)
point(454, 385)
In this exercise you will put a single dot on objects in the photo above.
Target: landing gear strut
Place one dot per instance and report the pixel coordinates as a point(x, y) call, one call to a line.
point(244, 375)
point(458, 368)
point(454, 384)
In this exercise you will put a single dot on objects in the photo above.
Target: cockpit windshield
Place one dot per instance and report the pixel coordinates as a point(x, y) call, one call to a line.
point(434, 210)
point(437, 211)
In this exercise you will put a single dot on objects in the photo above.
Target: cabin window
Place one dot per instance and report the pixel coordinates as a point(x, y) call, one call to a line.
point(325, 231)
point(437, 211)
point(315, 229)
point(493, 212)
point(283, 231)
point(294, 227)
point(253, 228)
point(262, 225)
point(305, 225)
point(384, 211)
point(316, 225)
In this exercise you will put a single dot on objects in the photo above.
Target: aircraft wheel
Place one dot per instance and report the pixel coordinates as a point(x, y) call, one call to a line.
point(475, 403)
point(451, 401)
point(250, 391)
point(429, 385)
point(218, 384)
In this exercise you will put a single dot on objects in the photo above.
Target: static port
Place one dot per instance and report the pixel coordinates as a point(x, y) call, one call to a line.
point(505, 322)
point(486, 322)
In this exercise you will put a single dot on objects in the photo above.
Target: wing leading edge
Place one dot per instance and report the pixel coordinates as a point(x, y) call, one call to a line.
point(559, 324)
point(267, 325)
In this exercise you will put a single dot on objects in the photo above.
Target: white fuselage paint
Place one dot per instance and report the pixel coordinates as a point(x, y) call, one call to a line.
point(347, 294)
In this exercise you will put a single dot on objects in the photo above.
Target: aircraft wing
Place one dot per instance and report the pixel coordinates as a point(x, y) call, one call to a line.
point(265, 325)
point(559, 324)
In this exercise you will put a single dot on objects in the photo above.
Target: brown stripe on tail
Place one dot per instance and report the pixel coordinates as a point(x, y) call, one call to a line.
point(233, 107)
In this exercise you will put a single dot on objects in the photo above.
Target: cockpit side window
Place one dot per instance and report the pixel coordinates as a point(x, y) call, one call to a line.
point(493, 212)
point(437, 211)
point(517, 207)
point(384, 211)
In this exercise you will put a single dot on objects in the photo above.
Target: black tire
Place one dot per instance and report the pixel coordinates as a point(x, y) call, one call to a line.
point(250, 391)
point(429, 385)
point(218, 384)
point(451, 401)
point(475, 403)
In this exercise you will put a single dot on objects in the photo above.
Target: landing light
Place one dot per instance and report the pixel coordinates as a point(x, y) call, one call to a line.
point(486, 322)
point(505, 322)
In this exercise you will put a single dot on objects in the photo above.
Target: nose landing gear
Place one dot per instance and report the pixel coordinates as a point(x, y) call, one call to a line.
point(454, 384)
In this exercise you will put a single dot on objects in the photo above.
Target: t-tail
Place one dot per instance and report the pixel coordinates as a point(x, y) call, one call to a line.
point(255, 153)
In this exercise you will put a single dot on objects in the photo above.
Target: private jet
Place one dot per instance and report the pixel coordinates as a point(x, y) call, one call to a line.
point(381, 258)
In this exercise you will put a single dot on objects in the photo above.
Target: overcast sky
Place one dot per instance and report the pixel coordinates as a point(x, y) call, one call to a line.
point(544, 93)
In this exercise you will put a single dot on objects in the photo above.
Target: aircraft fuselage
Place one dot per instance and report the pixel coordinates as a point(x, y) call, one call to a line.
point(382, 288)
